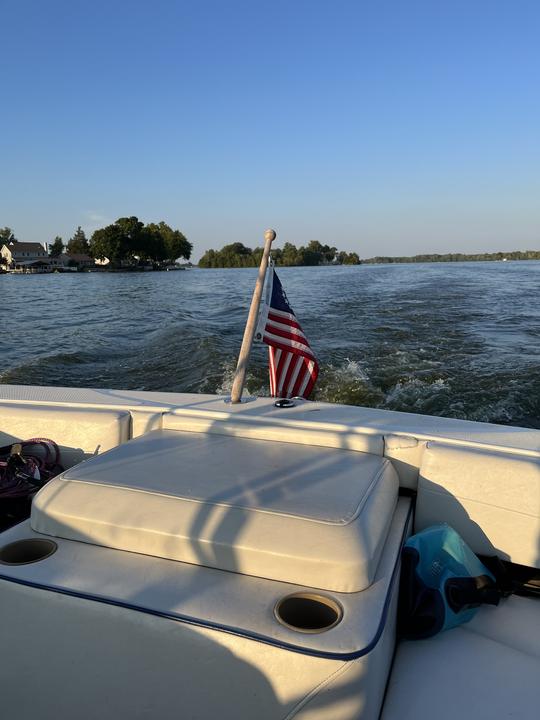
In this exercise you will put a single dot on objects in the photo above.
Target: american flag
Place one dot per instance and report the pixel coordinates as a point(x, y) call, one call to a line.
point(292, 364)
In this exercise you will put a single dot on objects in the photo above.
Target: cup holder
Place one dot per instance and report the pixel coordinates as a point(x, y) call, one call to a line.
point(23, 552)
point(308, 612)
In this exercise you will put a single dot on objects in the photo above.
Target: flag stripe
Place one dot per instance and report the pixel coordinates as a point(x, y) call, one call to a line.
point(309, 379)
point(298, 380)
point(295, 376)
point(288, 344)
point(289, 316)
point(271, 362)
point(283, 317)
point(282, 345)
point(280, 326)
point(283, 369)
point(287, 332)
point(289, 374)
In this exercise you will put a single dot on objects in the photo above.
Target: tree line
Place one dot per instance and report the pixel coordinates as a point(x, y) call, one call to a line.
point(128, 240)
point(458, 257)
point(238, 255)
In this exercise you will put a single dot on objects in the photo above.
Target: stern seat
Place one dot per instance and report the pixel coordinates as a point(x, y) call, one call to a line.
point(486, 669)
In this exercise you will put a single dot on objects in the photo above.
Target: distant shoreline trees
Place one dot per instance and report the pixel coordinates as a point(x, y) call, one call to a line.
point(457, 257)
point(238, 255)
point(129, 240)
point(126, 242)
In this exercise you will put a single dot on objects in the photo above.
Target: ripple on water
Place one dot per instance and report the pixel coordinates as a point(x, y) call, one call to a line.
point(460, 340)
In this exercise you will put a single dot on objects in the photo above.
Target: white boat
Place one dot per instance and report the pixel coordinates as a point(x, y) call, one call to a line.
point(242, 561)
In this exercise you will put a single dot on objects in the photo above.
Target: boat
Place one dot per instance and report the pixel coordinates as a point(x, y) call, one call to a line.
point(199, 558)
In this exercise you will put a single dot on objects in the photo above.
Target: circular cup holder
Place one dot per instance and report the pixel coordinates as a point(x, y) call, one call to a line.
point(23, 552)
point(308, 612)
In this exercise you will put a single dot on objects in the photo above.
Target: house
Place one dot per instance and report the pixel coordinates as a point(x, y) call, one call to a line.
point(80, 260)
point(71, 261)
point(60, 261)
point(22, 254)
point(30, 257)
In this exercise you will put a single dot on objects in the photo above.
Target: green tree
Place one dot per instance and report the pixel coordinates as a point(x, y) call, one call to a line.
point(6, 235)
point(233, 255)
point(118, 241)
point(139, 241)
point(78, 244)
point(325, 252)
point(307, 256)
point(148, 245)
point(108, 243)
point(208, 260)
point(289, 254)
point(57, 247)
point(175, 243)
point(238, 255)
point(128, 239)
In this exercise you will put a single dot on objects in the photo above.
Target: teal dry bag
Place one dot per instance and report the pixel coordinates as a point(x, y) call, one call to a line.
point(442, 583)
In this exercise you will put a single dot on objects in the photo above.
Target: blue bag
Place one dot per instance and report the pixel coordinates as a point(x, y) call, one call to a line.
point(442, 583)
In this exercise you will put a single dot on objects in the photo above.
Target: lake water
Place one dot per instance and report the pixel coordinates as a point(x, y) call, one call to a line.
point(454, 339)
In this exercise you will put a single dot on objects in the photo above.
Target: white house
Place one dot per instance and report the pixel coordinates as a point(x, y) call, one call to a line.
point(17, 253)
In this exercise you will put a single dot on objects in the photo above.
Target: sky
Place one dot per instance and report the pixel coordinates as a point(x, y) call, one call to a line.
point(385, 127)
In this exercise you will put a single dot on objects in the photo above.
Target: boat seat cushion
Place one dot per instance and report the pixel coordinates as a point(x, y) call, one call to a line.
point(79, 432)
point(488, 668)
point(313, 516)
point(491, 499)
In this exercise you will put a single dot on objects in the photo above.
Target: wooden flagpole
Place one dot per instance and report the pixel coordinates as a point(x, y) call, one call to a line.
point(251, 324)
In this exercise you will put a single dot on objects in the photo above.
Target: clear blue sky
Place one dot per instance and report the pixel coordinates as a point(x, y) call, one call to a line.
point(385, 127)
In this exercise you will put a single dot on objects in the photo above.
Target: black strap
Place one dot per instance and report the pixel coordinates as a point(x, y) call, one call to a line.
point(511, 578)
point(469, 592)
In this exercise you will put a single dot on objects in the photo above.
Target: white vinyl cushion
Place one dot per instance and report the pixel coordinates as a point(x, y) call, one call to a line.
point(78, 431)
point(306, 515)
point(491, 499)
point(486, 669)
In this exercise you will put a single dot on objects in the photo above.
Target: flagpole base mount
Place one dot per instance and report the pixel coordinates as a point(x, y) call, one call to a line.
point(242, 401)
point(284, 403)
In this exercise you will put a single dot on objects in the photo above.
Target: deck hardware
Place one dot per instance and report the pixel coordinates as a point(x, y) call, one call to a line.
point(284, 403)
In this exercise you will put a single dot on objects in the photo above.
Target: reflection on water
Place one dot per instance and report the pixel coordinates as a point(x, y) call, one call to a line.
point(454, 339)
